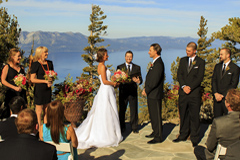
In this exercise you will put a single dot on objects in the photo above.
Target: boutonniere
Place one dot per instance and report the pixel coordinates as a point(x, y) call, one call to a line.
point(193, 63)
point(151, 64)
point(227, 68)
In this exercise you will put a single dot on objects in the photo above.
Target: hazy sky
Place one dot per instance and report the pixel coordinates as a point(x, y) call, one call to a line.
point(125, 18)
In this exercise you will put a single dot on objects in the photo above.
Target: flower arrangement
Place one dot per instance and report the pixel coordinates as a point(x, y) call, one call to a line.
point(73, 91)
point(20, 80)
point(206, 110)
point(120, 76)
point(50, 75)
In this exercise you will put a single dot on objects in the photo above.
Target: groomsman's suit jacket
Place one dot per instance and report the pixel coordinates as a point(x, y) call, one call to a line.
point(126, 90)
point(8, 128)
point(154, 90)
point(225, 130)
point(26, 147)
point(192, 76)
point(230, 78)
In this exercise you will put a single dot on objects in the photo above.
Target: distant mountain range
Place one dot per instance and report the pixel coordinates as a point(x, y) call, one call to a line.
point(75, 42)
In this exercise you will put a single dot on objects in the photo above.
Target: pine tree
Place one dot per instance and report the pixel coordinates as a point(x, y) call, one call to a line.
point(174, 68)
point(96, 29)
point(231, 34)
point(206, 53)
point(9, 34)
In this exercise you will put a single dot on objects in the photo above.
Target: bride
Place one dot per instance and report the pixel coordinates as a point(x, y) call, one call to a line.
point(101, 128)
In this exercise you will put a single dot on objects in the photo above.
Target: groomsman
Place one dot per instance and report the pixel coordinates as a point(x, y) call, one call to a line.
point(154, 92)
point(225, 77)
point(128, 92)
point(190, 75)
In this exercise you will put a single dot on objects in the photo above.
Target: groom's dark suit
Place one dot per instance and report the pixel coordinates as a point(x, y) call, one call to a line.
point(128, 93)
point(154, 90)
point(222, 83)
point(189, 104)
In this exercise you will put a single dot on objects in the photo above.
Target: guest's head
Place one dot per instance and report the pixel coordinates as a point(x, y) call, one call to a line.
point(225, 55)
point(41, 53)
point(129, 56)
point(17, 104)
point(191, 49)
point(14, 56)
point(26, 122)
point(154, 50)
point(55, 117)
point(232, 100)
point(102, 55)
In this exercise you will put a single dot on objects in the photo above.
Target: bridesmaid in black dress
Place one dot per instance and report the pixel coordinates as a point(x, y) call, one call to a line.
point(42, 89)
point(10, 70)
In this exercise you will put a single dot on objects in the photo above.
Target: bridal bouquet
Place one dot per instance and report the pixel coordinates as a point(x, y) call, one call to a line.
point(20, 80)
point(120, 76)
point(50, 75)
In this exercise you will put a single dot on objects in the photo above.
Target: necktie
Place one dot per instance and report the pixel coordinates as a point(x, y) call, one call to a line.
point(190, 63)
point(128, 69)
point(224, 66)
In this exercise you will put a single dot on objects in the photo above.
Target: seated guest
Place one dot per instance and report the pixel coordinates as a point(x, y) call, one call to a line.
point(25, 145)
point(8, 127)
point(55, 130)
point(225, 130)
point(233, 151)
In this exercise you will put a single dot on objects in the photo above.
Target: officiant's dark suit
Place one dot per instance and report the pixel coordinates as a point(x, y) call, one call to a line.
point(154, 91)
point(223, 80)
point(190, 75)
point(128, 93)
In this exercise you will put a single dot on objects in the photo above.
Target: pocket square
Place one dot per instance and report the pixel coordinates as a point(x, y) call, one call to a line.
point(195, 67)
point(229, 73)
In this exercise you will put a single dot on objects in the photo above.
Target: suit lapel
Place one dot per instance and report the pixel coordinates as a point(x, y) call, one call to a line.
point(193, 63)
point(225, 71)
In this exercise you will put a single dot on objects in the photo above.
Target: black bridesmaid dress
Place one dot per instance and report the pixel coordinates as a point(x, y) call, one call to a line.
point(10, 93)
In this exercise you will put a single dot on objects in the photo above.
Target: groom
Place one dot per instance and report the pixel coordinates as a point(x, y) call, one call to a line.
point(154, 92)
point(128, 92)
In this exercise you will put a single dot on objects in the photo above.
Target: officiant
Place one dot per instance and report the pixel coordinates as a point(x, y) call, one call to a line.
point(128, 92)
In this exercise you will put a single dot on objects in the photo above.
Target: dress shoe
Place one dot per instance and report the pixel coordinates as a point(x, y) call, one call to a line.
point(150, 135)
point(135, 131)
point(153, 141)
point(178, 140)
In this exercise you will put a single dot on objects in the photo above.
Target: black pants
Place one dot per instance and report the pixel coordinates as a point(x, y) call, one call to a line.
point(219, 108)
point(155, 113)
point(133, 104)
point(189, 108)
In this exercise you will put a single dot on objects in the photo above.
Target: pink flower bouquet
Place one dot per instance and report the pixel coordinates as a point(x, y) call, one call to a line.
point(20, 80)
point(120, 76)
point(50, 75)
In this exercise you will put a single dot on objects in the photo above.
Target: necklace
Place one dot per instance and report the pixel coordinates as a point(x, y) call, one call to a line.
point(43, 67)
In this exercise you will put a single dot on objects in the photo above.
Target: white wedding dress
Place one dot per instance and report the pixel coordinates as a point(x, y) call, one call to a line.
point(101, 128)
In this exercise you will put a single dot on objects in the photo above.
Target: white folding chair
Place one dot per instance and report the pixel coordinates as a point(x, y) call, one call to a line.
point(220, 151)
point(64, 147)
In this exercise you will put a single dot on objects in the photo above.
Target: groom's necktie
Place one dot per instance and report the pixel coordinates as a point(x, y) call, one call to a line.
point(224, 66)
point(190, 63)
point(128, 70)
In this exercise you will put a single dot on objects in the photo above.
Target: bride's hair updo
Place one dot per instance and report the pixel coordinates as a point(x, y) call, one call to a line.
point(100, 54)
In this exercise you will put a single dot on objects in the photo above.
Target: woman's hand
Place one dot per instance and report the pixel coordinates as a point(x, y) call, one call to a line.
point(49, 83)
point(116, 84)
point(18, 89)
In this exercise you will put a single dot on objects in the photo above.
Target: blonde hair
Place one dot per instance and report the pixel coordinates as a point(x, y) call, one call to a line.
point(12, 53)
point(38, 53)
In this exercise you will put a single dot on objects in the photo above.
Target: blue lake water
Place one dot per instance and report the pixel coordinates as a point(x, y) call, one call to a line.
point(72, 62)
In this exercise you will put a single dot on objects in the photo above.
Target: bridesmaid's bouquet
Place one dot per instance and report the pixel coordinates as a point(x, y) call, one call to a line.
point(120, 76)
point(20, 80)
point(50, 75)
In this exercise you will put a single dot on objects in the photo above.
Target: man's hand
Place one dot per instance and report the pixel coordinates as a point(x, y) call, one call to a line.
point(218, 97)
point(136, 80)
point(144, 93)
point(187, 89)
